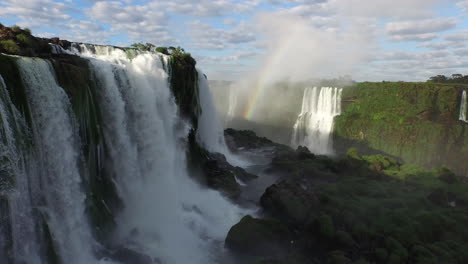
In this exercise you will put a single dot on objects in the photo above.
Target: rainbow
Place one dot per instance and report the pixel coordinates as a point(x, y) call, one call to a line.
point(261, 84)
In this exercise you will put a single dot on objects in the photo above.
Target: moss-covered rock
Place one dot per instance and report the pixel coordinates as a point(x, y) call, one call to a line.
point(369, 209)
point(259, 237)
point(290, 202)
point(17, 41)
point(184, 86)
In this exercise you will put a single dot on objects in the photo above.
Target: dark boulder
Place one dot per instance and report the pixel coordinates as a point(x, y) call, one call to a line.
point(291, 202)
point(259, 237)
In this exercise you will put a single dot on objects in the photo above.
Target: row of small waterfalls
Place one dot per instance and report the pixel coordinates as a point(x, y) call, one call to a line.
point(55, 156)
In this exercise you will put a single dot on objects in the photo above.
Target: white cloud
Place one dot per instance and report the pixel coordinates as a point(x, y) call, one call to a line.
point(205, 36)
point(34, 13)
point(463, 5)
point(420, 26)
point(140, 22)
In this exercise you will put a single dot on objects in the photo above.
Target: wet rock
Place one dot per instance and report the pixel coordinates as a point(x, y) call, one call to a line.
point(247, 140)
point(259, 237)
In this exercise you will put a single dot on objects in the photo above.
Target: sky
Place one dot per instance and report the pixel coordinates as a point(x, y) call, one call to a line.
point(373, 40)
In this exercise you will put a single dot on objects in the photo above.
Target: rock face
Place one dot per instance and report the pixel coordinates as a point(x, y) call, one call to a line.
point(215, 171)
point(248, 140)
point(415, 121)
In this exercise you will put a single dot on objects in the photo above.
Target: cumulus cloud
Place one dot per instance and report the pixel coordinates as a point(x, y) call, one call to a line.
point(209, 7)
point(141, 22)
point(205, 36)
point(36, 12)
point(463, 5)
point(419, 30)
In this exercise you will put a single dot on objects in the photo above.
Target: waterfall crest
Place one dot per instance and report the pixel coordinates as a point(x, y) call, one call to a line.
point(314, 124)
point(463, 107)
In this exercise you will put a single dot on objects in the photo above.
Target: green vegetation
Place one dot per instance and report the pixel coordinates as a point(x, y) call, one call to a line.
point(455, 78)
point(394, 213)
point(9, 46)
point(143, 47)
point(417, 122)
point(184, 84)
point(367, 209)
point(18, 41)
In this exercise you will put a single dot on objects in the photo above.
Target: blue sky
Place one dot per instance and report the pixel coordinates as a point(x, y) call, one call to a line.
point(368, 39)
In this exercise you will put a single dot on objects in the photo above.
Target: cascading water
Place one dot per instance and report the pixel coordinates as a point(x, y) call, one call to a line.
point(167, 216)
point(463, 107)
point(314, 124)
point(14, 183)
point(58, 155)
point(210, 132)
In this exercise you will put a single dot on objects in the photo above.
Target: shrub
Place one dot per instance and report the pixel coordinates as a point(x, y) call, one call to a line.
point(16, 29)
point(9, 46)
point(25, 39)
point(162, 50)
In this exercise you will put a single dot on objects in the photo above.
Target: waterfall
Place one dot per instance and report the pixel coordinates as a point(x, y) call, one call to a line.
point(463, 107)
point(314, 124)
point(58, 153)
point(14, 184)
point(167, 216)
point(210, 130)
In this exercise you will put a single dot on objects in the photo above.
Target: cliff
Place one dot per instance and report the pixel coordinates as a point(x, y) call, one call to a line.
point(418, 122)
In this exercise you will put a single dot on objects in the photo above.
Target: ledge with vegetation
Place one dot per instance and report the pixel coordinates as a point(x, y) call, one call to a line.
point(417, 122)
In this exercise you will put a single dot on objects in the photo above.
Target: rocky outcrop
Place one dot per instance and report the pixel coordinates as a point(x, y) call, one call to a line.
point(17, 41)
point(259, 237)
point(291, 202)
point(215, 171)
point(358, 209)
point(247, 140)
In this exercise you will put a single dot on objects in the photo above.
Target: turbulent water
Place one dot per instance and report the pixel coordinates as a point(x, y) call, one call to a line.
point(166, 215)
point(314, 124)
point(463, 107)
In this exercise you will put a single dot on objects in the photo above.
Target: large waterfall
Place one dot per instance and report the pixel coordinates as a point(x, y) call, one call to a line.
point(463, 107)
point(314, 124)
point(45, 179)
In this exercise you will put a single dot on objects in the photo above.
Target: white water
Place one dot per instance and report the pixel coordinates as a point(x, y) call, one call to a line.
point(58, 155)
point(167, 215)
point(231, 113)
point(314, 124)
point(463, 107)
point(210, 131)
point(13, 127)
